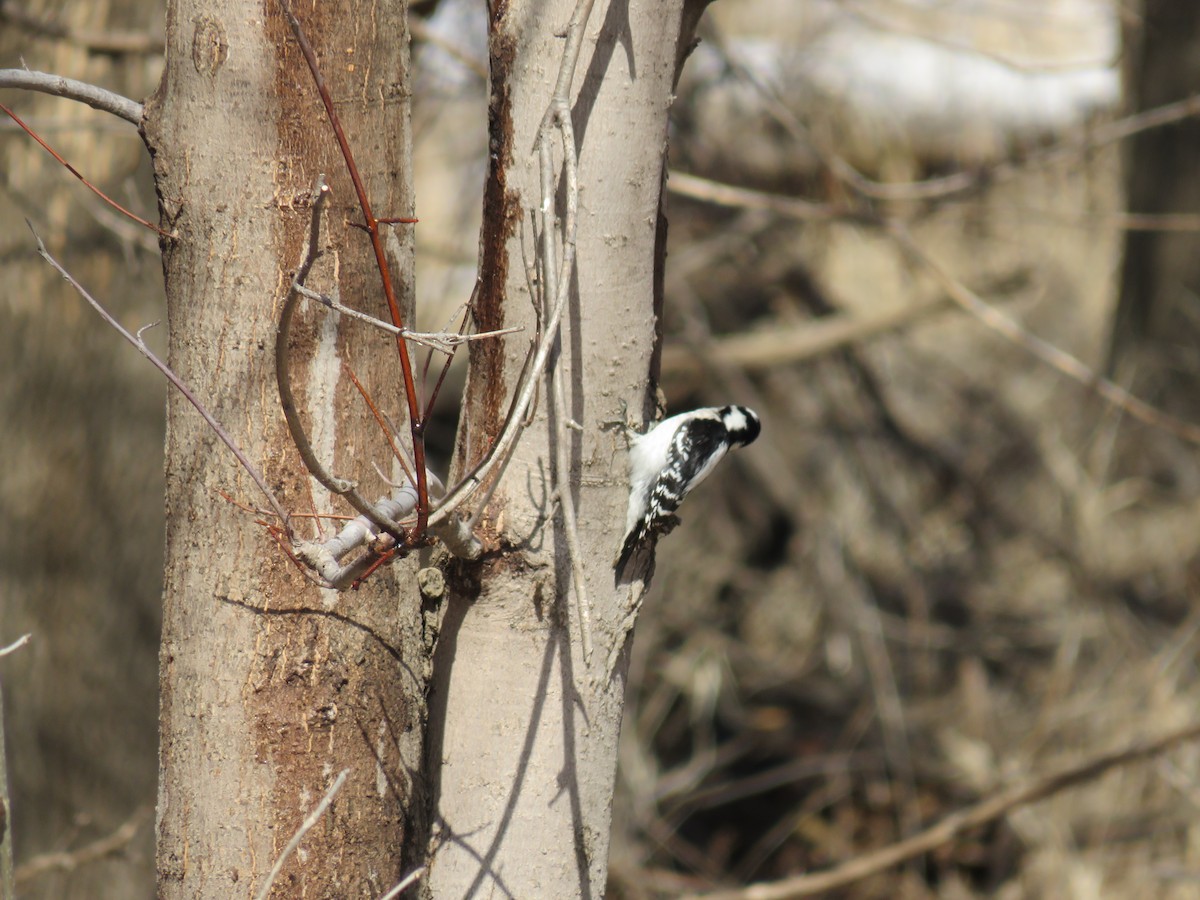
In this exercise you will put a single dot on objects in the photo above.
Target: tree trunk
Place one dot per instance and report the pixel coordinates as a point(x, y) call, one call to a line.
point(523, 730)
point(270, 686)
point(1160, 271)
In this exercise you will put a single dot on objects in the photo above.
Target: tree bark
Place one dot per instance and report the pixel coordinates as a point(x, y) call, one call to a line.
point(523, 731)
point(270, 686)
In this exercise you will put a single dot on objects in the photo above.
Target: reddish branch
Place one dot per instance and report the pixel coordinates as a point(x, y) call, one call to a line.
point(416, 418)
point(70, 168)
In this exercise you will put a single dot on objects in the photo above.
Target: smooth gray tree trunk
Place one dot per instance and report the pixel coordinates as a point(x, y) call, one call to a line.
point(523, 727)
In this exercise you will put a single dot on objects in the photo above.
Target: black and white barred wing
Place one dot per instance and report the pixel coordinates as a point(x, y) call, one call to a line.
point(696, 448)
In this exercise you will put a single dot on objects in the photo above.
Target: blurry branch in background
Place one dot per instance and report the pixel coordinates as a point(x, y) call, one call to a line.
point(113, 43)
point(987, 810)
point(1059, 360)
point(960, 294)
point(70, 860)
point(70, 89)
point(754, 351)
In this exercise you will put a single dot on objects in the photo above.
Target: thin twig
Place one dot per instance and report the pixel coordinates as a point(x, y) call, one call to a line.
point(384, 426)
point(170, 375)
point(987, 810)
point(70, 860)
point(405, 883)
point(442, 341)
point(441, 379)
point(287, 400)
point(416, 419)
point(70, 89)
point(308, 823)
point(70, 168)
point(566, 505)
point(15, 645)
point(1059, 360)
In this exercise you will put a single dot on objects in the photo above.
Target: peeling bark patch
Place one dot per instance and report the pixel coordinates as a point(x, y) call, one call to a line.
point(501, 212)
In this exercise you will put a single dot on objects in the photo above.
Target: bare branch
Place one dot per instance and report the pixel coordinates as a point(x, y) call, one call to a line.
point(15, 645)
point(68, 861)
point(765, 349)
point(287, 400)
point(987, 810)
point(70, 89)
point(442, 341)
point(170, 375)
point(408, 881)
point(70, 168)
point(305, 826)
point(728, 195)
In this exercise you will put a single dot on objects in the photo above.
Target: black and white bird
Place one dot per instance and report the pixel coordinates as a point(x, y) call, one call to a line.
point(668, 461)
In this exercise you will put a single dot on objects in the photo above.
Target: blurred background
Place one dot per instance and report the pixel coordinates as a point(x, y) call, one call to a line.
point(943, 569)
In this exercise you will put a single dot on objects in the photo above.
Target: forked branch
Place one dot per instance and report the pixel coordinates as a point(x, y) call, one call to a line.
point(332, 483)
point(416, 418)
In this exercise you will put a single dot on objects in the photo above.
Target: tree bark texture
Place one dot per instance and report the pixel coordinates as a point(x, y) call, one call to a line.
point(523, 730)
point(270, 686)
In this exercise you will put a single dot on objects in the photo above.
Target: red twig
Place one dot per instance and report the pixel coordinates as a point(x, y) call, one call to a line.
point(91, 187)
point(383, 425)
point(385, 557)
point(415, 419)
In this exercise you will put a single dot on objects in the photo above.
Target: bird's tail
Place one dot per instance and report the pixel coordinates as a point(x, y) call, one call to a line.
point(636, 538)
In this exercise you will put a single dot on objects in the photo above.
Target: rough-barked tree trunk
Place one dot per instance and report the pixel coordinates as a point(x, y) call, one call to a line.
point(270, 686)
point(523, 729)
